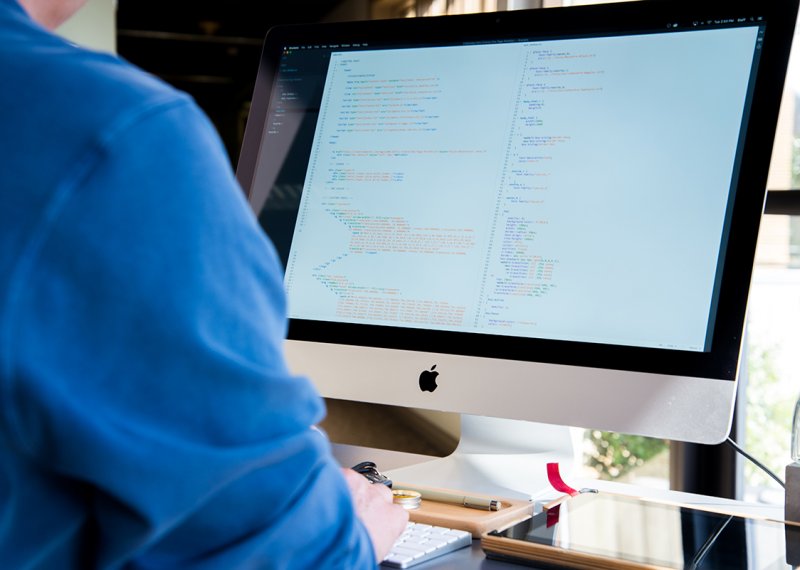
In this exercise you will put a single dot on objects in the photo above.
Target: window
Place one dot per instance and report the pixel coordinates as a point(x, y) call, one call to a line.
point(772, 379)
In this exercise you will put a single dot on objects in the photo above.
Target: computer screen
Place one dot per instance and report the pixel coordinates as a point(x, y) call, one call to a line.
point(547, 184)
point(546, 215)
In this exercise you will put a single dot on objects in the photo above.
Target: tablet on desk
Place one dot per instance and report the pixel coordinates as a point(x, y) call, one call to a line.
point(614, 531)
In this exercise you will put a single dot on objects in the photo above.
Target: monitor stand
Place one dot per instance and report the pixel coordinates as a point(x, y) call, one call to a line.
point(497, 457)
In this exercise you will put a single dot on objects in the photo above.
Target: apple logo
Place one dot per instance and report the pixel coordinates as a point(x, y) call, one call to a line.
point(427, 380)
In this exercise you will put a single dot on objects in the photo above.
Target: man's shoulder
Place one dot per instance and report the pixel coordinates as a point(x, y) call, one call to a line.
point(99, 88)
point(58, 83)
point(66, 101)
point(62, 109)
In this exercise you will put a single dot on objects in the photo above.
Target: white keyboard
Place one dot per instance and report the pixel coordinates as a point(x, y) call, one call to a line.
point(422, 542)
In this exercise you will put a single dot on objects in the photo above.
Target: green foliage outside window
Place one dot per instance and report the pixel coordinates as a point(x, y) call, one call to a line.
point(614, 455)
point(770, 406)
point(796, 163)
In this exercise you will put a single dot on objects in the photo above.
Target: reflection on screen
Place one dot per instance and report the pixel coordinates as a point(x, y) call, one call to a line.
point(574, 189)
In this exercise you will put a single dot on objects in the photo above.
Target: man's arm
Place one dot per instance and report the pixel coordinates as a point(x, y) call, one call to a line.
point(374, 504)
point(148, 366)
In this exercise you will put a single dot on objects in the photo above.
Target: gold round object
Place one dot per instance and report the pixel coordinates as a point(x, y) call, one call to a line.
point(409, 500)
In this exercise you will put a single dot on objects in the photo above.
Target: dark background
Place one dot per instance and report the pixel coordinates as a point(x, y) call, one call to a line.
point(211, 49)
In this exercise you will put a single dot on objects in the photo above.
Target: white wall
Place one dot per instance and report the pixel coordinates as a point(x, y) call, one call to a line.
point(94, 26)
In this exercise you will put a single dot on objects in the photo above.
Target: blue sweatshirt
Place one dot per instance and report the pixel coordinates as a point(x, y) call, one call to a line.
point(147, 417)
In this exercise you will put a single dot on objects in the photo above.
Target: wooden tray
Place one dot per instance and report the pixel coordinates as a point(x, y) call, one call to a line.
point(475, 521)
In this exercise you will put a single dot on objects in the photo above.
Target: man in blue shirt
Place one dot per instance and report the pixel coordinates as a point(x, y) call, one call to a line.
point(147, 417)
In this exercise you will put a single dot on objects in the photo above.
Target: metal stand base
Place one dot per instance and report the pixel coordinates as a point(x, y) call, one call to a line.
point(504, 458)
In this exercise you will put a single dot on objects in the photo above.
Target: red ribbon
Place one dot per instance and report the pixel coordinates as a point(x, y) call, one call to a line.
point(557, 482)
point(552, 516)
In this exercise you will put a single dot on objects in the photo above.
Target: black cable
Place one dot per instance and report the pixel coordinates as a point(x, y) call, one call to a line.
point(756, 461)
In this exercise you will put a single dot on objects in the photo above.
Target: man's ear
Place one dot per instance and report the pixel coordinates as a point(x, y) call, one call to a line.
point(51, 13)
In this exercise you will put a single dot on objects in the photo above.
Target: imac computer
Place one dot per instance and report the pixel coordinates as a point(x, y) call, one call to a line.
point(543, 215)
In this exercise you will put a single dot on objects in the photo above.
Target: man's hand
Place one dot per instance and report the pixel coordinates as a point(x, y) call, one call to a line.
point(373, 503)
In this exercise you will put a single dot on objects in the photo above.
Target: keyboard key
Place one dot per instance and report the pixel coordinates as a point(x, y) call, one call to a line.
point(422, 542)
point(398, 560)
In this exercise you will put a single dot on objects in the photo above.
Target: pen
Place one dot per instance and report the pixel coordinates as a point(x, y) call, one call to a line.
point(458, 499)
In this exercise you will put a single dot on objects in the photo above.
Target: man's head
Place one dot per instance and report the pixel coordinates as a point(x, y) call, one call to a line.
point(51, 13)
